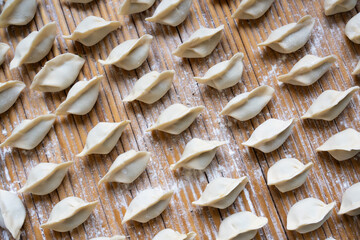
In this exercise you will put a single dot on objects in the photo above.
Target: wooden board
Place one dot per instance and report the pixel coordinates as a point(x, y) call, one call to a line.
point(327, 181)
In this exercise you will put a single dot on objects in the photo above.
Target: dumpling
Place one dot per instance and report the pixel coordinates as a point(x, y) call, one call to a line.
point(201, 43)
point(81, 98)
point(288, 174)
point(68, 214)
point(9, 93)
point(350, 203)
point(35, 46)
point(221, 192)
point(129, 54)
point(12, 213)
point(247, 105)
point(330, 104)
point(291, 37)
point(127, 167)
point(169, 234)
point(128, 7)
point(197, 154)
point(252, 9)
point(147, 205)
point(171, 12)
point(151, 87)
point(103, 138)
point(92, 30)
point(176, 118)
point(4, 48)
point(29, 133)
point(224, 74)
point(116, 237)
point(343, 145)
point(58, 73)
point(308, 70)
point(338, 6)
point(17, 12)
point(308, 215)
point(352, 29)
point(270, 135)
point(357, 69)
point(241, 225)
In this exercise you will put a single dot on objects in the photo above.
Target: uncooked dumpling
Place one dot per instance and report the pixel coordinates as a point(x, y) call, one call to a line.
point(252, 9)
point(338, 6)
point(128, 7)
point(356, 71)
point(352, 29)
point(4, 48)
point(169, 234)
point(116, 237)
point(350, 204)
point(17, 12)
point(9, 93)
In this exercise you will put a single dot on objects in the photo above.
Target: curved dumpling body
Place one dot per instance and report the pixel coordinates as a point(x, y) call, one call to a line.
point(252, 9)
point(350, 203)
point(288, 174)
point(270, 135)
point(115, 237)
point(308, 70)
point(224, 74)
point(197, 154)
point(135, 6)
point(352, 29)
point(201, 43)
point(147, 205)
point(81, 98)
point(17, 12)
point(9, 93)
point(221, 192)
point(4, 48)
point(129, 54)
point(330, 104)
point(308, 214)
point(169, 234)
point(357, 69)
point(35, 46)
point(247, 105)
point(291, 37)
point(176, 118)
point(29, 133)
point(151, 87)
point(338, 6)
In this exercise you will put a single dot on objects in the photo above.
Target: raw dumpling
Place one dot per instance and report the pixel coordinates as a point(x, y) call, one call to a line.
point(350, 203)
point(288, 174)
point(270, 135)
point(81, 98)
point(241, 225)
point(352, 29)
point(308, 70)
point(176, 118)
point(28, 134)
point(45, 178)
point(116, 237)
point(197, 154)
point(252, 9)
point(92, 30)
point(127, 167)
point(343, 145)
point(330, 104)
point(291, 37)
point(68, 214)
point(35, 46)
point(151, 87)
point(308, 215)
point(221, 192)
point(129, 54)
point(58, 73)
point(17, 12)
point(169, 234)
point(338, 6)
point(4, 48)
point(357, 69)
point(147, 205)
point(9, 93)
point(247, 105)
point(128, 7)
point(171, 12)
point(224, 74)
point(12, 213)
point(201, 43)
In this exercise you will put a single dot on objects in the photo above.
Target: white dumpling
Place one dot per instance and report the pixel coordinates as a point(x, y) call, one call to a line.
point(241, 226)
point(221, 192)
point(270, 135)
point(350, 203)
point(169, 234)
point(171, 12)
point(4, 48)
point(147, 205)
point(201, 43)
point(128, 7)
point(308, 215)
point(308, 70)
point(197, 154)
point(356, 70)
point(9, 93)
point(352, 29)
point(291, 37)
point(224, 74)
point(58, 73)
point(151, 87)
point(129, 54)
point(252, 9)
point(330, 104)
point(115, 237)
point(81, 98)
point(176, 118)
point(45, 178)
point(338, 6)
point(288, 174)
point(17, 12)
point(30, 132)
point(247, 105)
